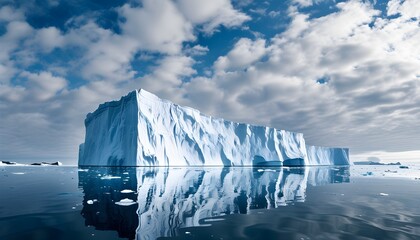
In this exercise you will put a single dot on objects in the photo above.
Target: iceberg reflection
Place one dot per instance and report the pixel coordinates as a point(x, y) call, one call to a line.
point(172, 198)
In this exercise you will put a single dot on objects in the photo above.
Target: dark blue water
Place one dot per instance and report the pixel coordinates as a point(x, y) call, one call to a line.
point(205, 203)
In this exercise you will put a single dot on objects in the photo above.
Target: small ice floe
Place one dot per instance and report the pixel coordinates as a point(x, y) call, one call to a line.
point(18, 173)
point(90, 202)
point(213, 219)
point(83, 170)
point(58, 163)
point(187, 233)
point(126, 202)
point(109, 177)
point(266, 170)
point(8, 163)
point(125, 173)
point(404, 167)
point(383, 194)
point(127, 191)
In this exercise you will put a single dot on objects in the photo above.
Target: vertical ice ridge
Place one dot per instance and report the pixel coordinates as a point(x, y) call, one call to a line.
point(144, 130)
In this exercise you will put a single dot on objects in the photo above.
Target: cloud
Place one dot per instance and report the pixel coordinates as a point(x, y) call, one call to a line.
point(390, 157)
point(166, 78)
point(348, 78)
point(16, 32)
point(369, 64)
point(157, 26)
point(244, 53)
point(407, 8)
point(307, 3)
point(55, 75)
point(44, 85)
point(9, 14)
point(49, 38)
point(211, 14)
point(197, 50)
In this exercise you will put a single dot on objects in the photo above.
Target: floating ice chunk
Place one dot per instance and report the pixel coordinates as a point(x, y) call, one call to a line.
point(383, 194)
point(83, 170)
point(18, 173)
point(266, 170)
point(126, 202)
point(127, 191)
point(108, 177)
point(214, 219)
point(90, 202)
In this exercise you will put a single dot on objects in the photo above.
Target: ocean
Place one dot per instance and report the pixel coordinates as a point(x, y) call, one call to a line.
point(68, 202)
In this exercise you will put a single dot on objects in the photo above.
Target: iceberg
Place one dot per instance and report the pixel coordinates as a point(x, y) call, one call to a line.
point(143, 130)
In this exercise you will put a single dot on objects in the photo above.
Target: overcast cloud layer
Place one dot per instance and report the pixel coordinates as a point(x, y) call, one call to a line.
point(345, 74)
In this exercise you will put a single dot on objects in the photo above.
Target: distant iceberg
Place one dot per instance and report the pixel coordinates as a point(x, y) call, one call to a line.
point(143, 130)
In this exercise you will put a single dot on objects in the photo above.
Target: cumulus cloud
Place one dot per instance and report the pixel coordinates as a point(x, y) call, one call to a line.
point(49, 38)
point(349, 78)
point(16, 32)
point(407, 8)
point(197, 50)
point(157, 26)
point(44, 85)
point(244, 53)
point(9, 14)
point(369, 68)
point(211, 14)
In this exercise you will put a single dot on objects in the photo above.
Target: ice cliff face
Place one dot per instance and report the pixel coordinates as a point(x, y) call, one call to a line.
point(144, 130)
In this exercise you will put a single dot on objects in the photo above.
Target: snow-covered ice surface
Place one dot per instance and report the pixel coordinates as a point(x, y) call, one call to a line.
point(143, 130)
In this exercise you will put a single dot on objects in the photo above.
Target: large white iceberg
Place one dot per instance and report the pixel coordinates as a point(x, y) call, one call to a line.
point(143, 130)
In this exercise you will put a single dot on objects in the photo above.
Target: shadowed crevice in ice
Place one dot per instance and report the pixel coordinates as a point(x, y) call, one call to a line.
point(168, 199)
point(294, 162)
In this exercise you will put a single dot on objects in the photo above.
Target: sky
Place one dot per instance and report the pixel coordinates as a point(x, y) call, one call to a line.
point(344, 73)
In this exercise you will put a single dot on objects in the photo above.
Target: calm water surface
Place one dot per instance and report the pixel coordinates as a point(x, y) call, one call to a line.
point(209, 203)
